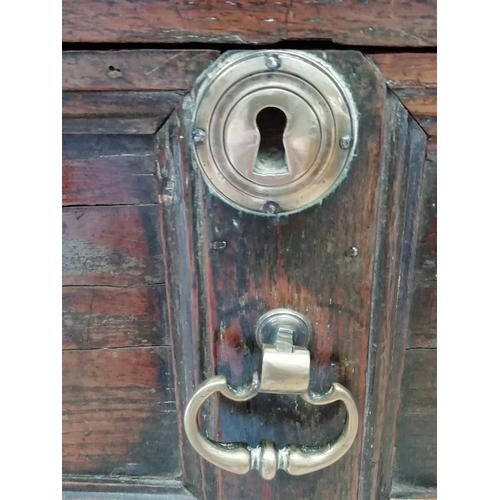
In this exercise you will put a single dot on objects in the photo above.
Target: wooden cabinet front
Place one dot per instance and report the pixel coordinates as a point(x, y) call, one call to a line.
point(163, 282)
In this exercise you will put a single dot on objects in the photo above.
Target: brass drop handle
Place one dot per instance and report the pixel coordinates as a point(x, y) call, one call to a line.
point(285, 370)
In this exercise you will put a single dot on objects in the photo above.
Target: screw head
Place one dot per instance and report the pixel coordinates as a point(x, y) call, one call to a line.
point(271, 207)
point(219, 245)
point(345, 141)
point(273, 62)
point(352, 252)
point(198, 135)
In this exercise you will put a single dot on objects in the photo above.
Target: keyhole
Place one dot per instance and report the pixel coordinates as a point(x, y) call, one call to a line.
point(271, 157)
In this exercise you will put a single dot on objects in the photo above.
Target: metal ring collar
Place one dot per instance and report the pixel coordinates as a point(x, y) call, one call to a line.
point(294, 459)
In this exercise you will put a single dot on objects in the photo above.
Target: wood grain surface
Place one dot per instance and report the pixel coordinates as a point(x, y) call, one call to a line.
point(126, 92)
point(423, 323)
point(106, 317)
point(108, 170)
point(119, 415)
point(413, 78)
point(399, 23)
point(117, 112)
point(117, 246)
point(400, 198)
point(117, 313)
point(417, 427)
point(140, 70)
point(230, 267)
point(177, 492)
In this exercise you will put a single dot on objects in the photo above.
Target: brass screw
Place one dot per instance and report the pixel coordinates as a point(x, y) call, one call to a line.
point(345, 141)
point(271, 207)
point(273, 62)
point(352, 252)
point(198, 135)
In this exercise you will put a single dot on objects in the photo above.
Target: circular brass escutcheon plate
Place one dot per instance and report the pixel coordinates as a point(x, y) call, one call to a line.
point(318, 137)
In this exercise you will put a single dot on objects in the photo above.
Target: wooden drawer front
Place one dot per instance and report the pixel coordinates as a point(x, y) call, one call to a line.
point(119, 413)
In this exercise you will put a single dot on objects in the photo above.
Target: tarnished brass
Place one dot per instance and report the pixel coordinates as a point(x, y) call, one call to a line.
point(285, 369)
point(319, 137)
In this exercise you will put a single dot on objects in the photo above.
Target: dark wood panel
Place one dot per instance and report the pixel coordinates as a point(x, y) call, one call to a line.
point(422, 104)
point(423, 316)
point(417, 430)
point(172, 494)
point(380, 22)
point(412, 492)
point(426, 266)
point(119, 413)
point(179, 250)
point(122, 112)
point(108, 181)
point(413, 77)
point(134, 148)
point(115, 125)
point(266, 263)
point(97, 317)
point(111, 246)
point(406, 69)
point(400, 199)
point(108, 170)
point(119, 103)
point(132, 69)
point(432, 145)
point(106, 487)
point(178, 493)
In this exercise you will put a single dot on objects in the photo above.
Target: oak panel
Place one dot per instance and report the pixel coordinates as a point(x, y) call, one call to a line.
point(381, 22)
point(225, 268)
point(423, 315)
point(116, 112)
point(413, 77)
point(111, 246)
point(140, 70)
point(97, 317)
point(119, 414)
point(416, 444)
point(426, 265)
point(119, 103)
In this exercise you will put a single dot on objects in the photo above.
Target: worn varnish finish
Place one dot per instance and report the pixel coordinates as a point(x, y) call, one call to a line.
point(173, 491)
point(265, 263)
point(119, 103)
point(413, 78)
point(117, 112)
point(400, 187)
point(410, 492)
point(426, 269)
point(141, 70)
point(380, 22)
point(113, 125)
point(98, 317)
point(126, 92)
point(416, 434)
point(423, 318)
point(108, 170)
point(118, 258)
point(119, 414)
point(423, 328)
point(111, 246)
point(179, 250)
point(417, 427)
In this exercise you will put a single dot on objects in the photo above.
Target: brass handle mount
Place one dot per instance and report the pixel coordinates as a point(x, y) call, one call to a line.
point(285, 370)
